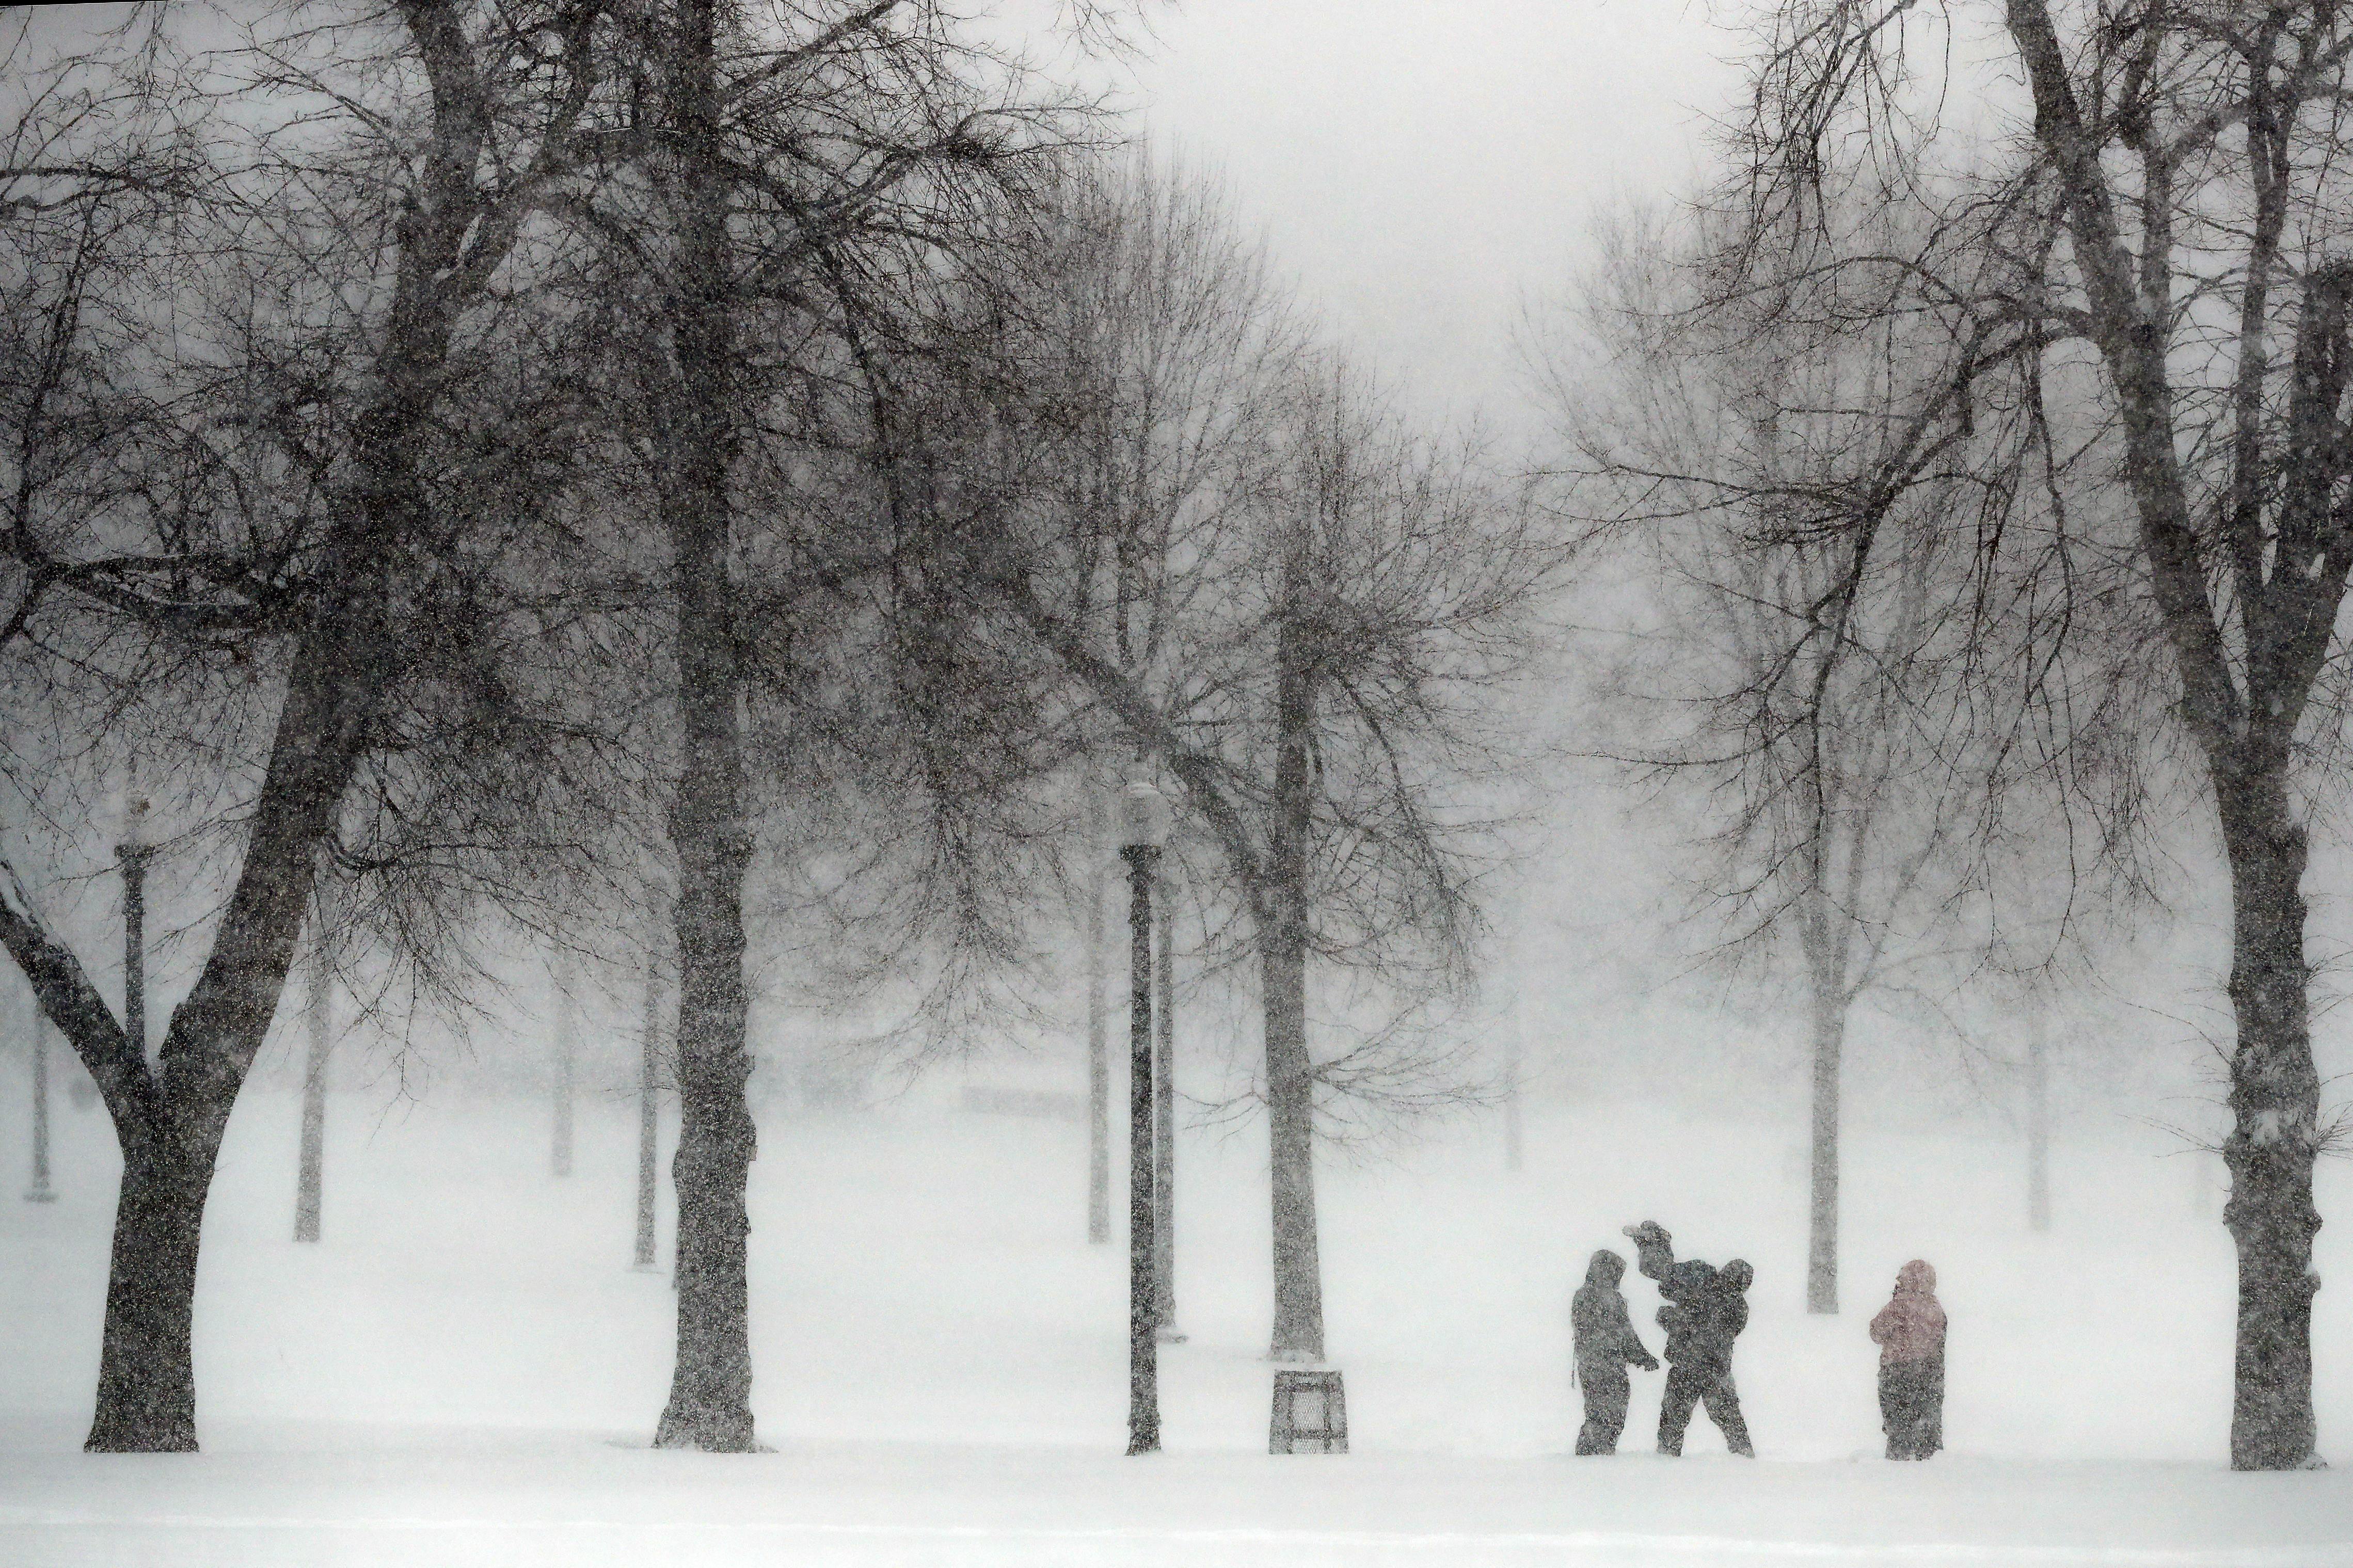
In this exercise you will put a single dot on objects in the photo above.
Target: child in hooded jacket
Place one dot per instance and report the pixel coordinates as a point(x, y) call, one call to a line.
point(1910, 1333)
point(1606, 1344)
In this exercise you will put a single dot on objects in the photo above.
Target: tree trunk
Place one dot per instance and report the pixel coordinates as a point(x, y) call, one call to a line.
point(1163, 1124)
point(1290, 1067)
point(1822, 1209)
point(39, 1190)
point(2038, 1122)
point(1290, 1113)
point(649, 1125)
point(710, 1388)
point(1098, 1044)
point(1142, 1314)
point(2274, 1103)
point(310, 1172)
point(146, 1376)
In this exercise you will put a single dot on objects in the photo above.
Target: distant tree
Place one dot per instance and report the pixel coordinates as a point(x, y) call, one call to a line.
point(564, 1047)
point(1789, 697)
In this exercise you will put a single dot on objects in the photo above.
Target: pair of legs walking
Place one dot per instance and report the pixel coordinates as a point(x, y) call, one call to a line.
point(1692, 1384)
point(1688, 1385)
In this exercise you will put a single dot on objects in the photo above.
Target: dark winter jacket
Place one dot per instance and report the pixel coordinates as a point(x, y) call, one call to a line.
point(1605, 1338)
point(1706, 1307)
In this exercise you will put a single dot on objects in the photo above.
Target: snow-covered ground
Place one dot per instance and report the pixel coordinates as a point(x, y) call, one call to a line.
point(465, 1370)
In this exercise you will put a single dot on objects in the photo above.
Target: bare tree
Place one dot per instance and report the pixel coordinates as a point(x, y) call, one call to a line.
point(801, 187)
point(1312, 609)
point(1790, 698)
point(225, 502)
point(2163, 239)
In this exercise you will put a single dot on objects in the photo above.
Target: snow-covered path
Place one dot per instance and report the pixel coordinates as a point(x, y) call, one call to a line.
point(465, 1370)
point(476, 1498)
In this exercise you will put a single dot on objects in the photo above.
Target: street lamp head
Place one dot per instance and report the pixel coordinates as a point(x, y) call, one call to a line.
point(1143, 817)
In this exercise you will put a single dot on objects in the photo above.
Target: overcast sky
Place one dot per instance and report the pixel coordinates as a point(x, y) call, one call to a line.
point(1417, 164)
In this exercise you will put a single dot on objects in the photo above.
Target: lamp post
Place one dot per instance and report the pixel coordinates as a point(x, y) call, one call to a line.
point(132, 852)
point(1143, 826)
point(1098, 1050)
point(1164, 1118)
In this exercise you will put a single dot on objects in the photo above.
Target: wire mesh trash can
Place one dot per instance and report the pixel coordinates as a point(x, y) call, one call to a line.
point(1310, 1414)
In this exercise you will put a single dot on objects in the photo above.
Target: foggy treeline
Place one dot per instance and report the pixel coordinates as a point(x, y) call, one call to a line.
point(635, 479)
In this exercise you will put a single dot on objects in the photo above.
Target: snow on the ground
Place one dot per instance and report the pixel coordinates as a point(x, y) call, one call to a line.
point(466, 1370)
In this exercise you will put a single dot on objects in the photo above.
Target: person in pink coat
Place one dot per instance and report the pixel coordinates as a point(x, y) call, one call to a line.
point(1910, 1333)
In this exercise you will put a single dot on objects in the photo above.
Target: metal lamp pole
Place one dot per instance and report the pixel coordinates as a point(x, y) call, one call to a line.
point(134, 853)
point(1143, 825)
point(1164, 1138)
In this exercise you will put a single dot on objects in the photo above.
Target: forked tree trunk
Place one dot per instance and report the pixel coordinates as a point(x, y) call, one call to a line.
point(710, 1402)
point(170, 1121)
point(170, 1118)
point(2275, 1106)
point(146, 1374)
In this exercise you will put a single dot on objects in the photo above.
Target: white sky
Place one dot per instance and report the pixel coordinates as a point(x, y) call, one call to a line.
point(1418, 165)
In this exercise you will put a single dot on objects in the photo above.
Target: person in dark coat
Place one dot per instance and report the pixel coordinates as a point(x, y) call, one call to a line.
point(1705, 1309)
point(1910, 1333)
point(1606, 1344)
